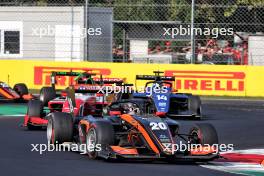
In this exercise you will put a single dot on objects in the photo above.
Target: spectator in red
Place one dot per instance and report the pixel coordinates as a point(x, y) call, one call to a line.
point(241, 53)
point(211, 48)
point(211, 43)
point(228, 50)
point(168, 47)
point(158, 49)
point(245, 51)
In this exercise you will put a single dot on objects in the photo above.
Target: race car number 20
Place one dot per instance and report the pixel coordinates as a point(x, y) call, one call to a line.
point(158, 126)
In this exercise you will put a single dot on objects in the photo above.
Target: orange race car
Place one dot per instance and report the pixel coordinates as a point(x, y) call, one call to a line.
point(19, 92)
point(131, 130)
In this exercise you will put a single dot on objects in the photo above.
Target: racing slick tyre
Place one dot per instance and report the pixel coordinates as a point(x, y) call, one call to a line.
point(47, 94)
point(99, 136)
point(195, 106)
point(204, 134)
point(34, 109)
point(60, 128)
point(21, 89)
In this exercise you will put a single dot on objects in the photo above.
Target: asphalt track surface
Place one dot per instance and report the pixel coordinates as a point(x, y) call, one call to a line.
point(237, 122)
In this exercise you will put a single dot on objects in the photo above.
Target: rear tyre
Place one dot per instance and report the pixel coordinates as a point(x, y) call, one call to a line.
point(60, 128)
point(198, 115)
point(47, 94)
point(35, 109)
point(21, 89)
point(99, 137)
point(204, 134)
point(195, 106)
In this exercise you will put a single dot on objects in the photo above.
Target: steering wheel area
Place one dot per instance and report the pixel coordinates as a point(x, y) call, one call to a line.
point(130, 108)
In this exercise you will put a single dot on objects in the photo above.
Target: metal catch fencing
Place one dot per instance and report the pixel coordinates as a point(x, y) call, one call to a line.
point(146, 31)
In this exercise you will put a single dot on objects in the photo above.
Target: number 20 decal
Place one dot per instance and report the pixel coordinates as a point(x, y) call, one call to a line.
point(158, 126)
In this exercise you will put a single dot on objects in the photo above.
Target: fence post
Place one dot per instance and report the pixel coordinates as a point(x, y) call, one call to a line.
point(124, 45)
point(192, 33)
point(86, 43)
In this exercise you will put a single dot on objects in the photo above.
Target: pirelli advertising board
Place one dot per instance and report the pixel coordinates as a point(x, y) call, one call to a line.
point(196, 79)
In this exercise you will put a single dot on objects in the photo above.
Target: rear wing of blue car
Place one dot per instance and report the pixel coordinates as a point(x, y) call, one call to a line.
point(155, 77)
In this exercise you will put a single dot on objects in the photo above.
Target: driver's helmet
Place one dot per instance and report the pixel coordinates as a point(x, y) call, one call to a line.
point(2, 84)
point(131, 109)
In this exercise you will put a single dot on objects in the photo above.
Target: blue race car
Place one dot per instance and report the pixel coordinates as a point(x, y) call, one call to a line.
point(167, 101)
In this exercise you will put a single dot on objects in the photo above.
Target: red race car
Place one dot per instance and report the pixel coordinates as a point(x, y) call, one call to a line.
point(87, 99)
point(19, 92)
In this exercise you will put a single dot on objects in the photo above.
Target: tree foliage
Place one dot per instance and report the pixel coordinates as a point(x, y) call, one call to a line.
point(206, 11)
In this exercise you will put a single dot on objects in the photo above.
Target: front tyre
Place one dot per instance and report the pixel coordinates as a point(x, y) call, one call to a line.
point(204, 134)
point(195, 106)
point(198, 115)
point(99, 136)
point(35, 109)
point(60, 128)
point(47, 94)
point(91, 142)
